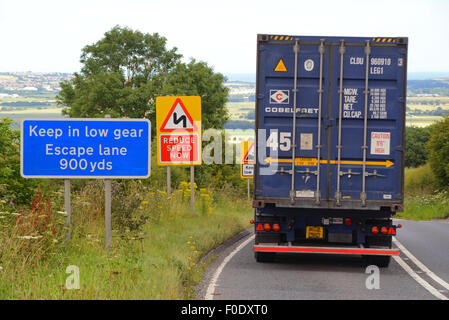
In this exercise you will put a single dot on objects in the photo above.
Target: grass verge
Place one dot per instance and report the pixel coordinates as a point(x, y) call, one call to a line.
point(160, 262)
point(423, 200)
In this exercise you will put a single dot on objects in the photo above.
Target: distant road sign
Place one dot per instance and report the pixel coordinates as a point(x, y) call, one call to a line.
point(85, 148)
point(246, 171)
point(178, 122)
point(247, 159)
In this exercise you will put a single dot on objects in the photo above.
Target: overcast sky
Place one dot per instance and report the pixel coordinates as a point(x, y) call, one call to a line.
point(47, 35)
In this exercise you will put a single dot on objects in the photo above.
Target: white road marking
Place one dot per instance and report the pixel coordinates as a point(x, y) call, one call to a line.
point(418, 279)
point(213, 283)
point(415, 275)
point(421, 265)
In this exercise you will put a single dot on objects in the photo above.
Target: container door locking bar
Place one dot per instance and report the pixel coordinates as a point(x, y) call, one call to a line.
point(365, 126)
point(342, 51)
point(295, 91)
point(320, 104)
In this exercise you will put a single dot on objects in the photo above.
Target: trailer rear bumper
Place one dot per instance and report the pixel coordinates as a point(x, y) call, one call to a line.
point(327, 250)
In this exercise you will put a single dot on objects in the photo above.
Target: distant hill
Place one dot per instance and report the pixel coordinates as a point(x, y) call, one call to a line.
point(241, 77)
point(251, 77)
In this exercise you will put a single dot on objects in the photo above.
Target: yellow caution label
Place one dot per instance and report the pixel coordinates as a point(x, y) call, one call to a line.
point(280, 66)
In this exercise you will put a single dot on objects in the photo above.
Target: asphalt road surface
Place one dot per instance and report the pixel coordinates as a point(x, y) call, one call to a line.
point(421, 272)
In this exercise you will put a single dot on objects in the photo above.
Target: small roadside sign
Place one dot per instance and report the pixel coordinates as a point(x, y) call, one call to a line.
point(247, 160)
point(247, 171)
point(178, 121)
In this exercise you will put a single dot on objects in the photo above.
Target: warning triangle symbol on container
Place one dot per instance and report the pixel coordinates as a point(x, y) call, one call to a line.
point(259, 227)
point(178, 119)
point(280, 66)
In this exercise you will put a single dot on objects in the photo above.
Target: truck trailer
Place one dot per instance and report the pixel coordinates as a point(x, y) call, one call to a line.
point(329, 128)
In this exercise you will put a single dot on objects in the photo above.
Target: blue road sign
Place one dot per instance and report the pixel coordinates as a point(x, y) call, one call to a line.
point(85, 148)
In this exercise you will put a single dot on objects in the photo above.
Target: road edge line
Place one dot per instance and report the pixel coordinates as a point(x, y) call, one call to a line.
point(420, 265)
point(213, 282)
point(418, 279)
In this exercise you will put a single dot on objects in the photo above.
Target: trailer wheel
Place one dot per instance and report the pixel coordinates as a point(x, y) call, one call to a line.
point(380, 261)
point(264, 256)
point(382, 242)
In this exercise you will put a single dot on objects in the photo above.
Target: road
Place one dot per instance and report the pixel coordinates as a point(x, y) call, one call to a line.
point(420, 273)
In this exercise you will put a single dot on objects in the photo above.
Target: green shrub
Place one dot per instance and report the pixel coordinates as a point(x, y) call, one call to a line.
point(420, 180)
point(415, 142)
point(14, 190)
point(438, 147)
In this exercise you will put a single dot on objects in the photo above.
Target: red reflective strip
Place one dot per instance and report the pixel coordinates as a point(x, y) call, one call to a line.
point(391, 231)
point(327, 250)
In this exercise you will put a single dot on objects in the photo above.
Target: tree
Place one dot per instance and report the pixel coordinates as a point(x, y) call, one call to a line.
point(121, 75)
point(124, 72)
point(415, 142)
point(438, 148)
point(13, 188)
point(198, 79)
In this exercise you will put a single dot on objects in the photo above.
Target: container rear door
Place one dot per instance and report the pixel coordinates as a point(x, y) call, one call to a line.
point(348, 130)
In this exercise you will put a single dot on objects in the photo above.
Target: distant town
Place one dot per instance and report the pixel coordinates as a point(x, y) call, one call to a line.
point(19, 84)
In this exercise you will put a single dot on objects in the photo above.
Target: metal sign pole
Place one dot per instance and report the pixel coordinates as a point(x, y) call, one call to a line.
point(168, 181)
point(192, 190)
point(68, 210)
point(247, 180)
point(107, 209)
point(107, 213)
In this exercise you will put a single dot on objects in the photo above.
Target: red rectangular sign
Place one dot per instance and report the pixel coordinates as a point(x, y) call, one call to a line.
point(179, 148)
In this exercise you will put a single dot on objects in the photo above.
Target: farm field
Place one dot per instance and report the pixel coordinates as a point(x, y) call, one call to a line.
point(421, 111)
point(42, 113)
point(240, 110)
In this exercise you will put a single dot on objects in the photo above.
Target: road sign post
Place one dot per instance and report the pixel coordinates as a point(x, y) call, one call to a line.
point(168, 180)
point(68, 210)
point(249, 199)
point(88, 149)
point(192, 189)
point(107, 213)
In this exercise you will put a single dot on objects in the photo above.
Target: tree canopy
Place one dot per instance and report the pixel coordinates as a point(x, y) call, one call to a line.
point(126, 70)
point(13, 188)
point(415, 141)
point(438, 147)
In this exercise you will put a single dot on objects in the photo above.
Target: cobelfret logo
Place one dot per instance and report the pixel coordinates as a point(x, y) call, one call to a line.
point(279, 96)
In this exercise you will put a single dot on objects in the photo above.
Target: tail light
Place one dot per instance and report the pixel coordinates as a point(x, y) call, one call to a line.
point(384, 230)
point(251, 221)
point(348, 221)
point(375, 230)
point(267, 227)
point(276, 227)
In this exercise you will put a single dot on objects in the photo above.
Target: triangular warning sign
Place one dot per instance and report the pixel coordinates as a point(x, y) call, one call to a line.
point(280, 66)
point(178, 119)
point(391, 231)
point(249, 156)
point(259, 227)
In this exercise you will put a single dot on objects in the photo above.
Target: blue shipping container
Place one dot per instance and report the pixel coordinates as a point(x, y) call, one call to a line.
point(348, 94)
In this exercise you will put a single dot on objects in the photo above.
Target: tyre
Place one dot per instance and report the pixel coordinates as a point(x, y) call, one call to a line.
point(378, 242)
point(264, 256)
point(380, 261)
